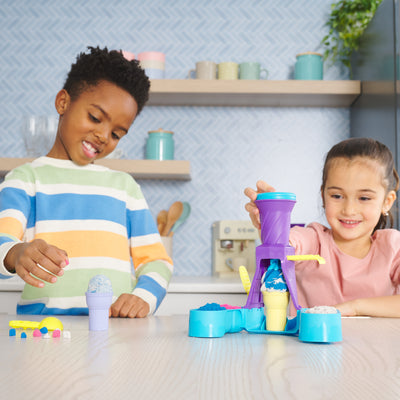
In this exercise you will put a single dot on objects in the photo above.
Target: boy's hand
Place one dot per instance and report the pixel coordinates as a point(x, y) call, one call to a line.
point(251, 207)
point(129, 306)
point(36, 259)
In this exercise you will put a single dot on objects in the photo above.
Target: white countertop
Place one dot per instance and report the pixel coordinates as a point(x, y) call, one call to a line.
point(178, 284)
point(154, 358)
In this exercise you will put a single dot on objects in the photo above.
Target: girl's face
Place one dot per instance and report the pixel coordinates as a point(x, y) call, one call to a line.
point(91, 126)
point(354, 197)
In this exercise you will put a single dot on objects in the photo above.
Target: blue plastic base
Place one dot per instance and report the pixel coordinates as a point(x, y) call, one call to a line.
point(317, 328)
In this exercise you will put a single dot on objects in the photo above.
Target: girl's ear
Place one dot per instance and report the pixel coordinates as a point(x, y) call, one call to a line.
point(387, 204)
point(322, 197)
point(62, 101)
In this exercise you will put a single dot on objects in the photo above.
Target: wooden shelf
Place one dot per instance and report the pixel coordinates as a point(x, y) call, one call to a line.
point(139, 169)
point(259, 93)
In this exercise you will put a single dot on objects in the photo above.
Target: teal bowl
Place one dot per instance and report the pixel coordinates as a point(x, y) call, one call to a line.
point(320, 328)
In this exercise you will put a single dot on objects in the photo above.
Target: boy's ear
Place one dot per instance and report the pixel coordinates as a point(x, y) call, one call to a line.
point(62, 101)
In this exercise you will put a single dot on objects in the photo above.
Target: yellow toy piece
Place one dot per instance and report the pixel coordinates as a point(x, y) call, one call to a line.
point(51, 323)
point(303, 257)
point(244, 276)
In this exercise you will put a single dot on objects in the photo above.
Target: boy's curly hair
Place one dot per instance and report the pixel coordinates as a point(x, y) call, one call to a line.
point(101, 64)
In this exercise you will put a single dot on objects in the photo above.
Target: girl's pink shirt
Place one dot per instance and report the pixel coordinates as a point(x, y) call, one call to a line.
point(344, 277)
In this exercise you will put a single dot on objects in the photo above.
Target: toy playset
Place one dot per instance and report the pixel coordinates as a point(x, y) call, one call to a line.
point(274, 281)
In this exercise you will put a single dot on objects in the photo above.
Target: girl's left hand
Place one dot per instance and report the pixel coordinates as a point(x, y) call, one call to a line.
point(347, 309)
point(129, 306)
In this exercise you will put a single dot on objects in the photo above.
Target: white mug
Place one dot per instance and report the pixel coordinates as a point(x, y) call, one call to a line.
point(204, 70)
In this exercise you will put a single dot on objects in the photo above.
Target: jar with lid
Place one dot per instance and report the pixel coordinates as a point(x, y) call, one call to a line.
point(160, 145)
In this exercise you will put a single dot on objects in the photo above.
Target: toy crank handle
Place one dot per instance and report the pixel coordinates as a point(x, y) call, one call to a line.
point(302, 257)
point(244, 276)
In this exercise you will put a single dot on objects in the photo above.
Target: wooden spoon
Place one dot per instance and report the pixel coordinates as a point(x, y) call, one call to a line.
point(162, 220)
point(174, 213)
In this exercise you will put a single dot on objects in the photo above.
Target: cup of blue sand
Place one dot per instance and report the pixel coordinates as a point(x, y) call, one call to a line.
point(99, 299)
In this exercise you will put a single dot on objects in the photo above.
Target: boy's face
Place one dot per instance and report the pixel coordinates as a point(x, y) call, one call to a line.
point(91, 125)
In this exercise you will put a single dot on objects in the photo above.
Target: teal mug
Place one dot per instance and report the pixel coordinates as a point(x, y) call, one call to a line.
point(160, 145)
point(252, 70)
point(309, 66)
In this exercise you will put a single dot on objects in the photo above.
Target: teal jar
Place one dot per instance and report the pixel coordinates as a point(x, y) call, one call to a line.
point(309, 66)
point(160, 145)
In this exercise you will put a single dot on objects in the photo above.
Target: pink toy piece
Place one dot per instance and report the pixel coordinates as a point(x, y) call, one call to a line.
point(56, 333)
point(228, 307)
point(37, 333)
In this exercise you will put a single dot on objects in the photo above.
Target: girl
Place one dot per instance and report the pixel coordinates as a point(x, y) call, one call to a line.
point(362, 271)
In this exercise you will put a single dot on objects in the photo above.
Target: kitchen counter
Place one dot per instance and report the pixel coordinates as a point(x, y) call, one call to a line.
point(154, 358)
point(184, 293)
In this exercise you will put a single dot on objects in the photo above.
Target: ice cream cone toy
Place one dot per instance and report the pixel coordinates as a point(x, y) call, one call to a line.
point(99, 299)
point(276, 297)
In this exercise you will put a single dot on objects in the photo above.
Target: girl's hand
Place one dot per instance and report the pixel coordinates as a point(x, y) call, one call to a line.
point(347, 309)
point(251, 207)
point(129, 306)
point(36, 259)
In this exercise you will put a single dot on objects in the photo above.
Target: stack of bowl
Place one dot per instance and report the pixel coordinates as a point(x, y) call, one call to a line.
point(153, 62)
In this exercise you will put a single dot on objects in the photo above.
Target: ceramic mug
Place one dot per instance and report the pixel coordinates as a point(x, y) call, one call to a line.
point(228, 70)
point(152, 64)
point(151, 55)
point(309, 66)
point(204, 70)
point(154, 73)
point(252, 70)
point(128, 55)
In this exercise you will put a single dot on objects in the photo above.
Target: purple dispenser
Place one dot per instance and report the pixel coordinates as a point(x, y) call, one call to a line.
point(275, 209)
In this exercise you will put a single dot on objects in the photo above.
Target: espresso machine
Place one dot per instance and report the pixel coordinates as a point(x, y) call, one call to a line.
point(233, 245)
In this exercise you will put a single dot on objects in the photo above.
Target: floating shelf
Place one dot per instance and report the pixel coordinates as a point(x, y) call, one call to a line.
point(139, 169)
point(250, 93)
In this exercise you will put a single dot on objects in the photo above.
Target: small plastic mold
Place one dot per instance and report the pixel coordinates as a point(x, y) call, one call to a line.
point(320, 328)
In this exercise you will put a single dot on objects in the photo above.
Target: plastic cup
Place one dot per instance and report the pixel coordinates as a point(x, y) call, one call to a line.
point(275, 309)
point(99, 305)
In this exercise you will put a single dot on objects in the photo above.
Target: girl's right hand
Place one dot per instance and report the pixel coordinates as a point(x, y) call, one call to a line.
point(251, 207)
point(36, 259)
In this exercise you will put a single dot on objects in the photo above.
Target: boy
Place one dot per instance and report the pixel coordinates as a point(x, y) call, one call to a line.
point(64, 219)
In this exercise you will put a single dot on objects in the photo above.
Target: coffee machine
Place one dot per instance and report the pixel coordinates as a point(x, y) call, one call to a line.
point(233, 245)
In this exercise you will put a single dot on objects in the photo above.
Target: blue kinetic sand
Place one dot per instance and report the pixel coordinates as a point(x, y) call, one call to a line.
point(100, 284)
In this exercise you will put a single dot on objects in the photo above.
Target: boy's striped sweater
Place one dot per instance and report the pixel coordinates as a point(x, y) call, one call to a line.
point(99, 217)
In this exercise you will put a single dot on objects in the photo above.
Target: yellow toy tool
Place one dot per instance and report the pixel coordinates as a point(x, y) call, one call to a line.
point(51, 323)
point(244, 276)
point(302, 257)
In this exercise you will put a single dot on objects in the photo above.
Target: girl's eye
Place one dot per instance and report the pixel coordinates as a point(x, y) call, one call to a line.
point(365, 198)
point(93, 118)
point(115, 136)
point(336, 196)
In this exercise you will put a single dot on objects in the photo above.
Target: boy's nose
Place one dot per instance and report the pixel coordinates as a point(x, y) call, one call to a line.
point(101, 136)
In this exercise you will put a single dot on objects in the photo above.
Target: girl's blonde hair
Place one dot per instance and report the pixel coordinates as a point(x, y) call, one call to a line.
point(374, 150)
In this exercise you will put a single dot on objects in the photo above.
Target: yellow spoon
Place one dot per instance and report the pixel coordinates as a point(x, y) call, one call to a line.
point(51, 323)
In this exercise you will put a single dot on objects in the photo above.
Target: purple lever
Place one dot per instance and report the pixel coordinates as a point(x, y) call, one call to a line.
point(275, 209)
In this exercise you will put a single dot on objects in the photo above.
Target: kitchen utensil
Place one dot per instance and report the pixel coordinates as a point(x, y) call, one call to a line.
point(184, 216)
point(161, 220)
point(174, 212)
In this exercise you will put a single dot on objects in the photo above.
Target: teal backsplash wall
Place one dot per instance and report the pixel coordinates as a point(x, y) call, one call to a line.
point(229, 147)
